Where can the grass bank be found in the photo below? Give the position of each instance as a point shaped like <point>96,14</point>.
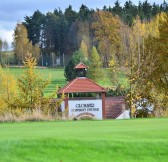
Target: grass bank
<point>85,141</point>
<point>56,76</point>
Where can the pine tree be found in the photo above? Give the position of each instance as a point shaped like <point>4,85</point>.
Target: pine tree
<point>76,58</point>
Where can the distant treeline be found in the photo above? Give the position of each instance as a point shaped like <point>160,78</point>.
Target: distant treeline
<point>59,33</point>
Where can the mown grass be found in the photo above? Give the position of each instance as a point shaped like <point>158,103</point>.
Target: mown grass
<point>121,79</point>
<point>85,141</point>
<point>56,77</point>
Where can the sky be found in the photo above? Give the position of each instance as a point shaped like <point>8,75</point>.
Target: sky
<point>13,11</point>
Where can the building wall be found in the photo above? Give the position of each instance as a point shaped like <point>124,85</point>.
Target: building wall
<point>79,108</point>
<point>114,106</point>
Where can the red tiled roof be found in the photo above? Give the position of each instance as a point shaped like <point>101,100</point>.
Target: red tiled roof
<point>81,66</point>
<point>81,84</point>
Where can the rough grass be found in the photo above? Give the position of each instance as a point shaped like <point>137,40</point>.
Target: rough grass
<point>143,140</point>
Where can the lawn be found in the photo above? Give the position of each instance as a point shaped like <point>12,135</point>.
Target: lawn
<point>135,140</point>
<point>56,77</point>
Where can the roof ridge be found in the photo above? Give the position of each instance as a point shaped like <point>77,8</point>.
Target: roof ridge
<point>82,64</point>
<point>67,85</point>
<point>78,85</point>
<point>95,83</point>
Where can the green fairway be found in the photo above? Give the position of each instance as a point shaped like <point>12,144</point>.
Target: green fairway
<point>56,77</point>
<point>143,140</point>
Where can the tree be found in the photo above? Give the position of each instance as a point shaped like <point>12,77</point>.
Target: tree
<point>76,58</point>
<point>34,25</point>
<point>130,12</point>
<point>70,15</point>
<point>84,13</point>
<point>158,78</point>
<point>117,9</point>
<point>84,49</point>
<point>30,87</point>
<point>95,66</point>
<point>1,46</point>
<point>148,72</point>
<point>5,45</point>
<point>106,28</point>
<point>22,45</point>
<point>155,9</point>
<point>147,8</point>
<point>8,91</point>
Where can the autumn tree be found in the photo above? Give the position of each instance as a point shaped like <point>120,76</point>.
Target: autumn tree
<point>30,86</point>
<point>84,49</point>
<point>8,91</point>
<point>156,70</point>
<point>106,28</point>
<point>95,66</point>
<point>1,46</point>
<point>147,69</point>
<point>22,45</point>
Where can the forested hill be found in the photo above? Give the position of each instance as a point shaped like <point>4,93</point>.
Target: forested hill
<point>61,32</point>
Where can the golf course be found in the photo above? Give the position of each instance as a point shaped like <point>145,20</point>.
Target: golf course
<point>56,78</point>
<point>132,140</point>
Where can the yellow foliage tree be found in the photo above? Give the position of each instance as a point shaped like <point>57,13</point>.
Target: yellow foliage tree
<point>22,45</point>
<point>106,28</point>
<point>31,87</point>
<point>84,49</point>
<point>8,90</point>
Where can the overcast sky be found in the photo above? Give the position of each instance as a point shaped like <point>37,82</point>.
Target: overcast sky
<point>12,11</point>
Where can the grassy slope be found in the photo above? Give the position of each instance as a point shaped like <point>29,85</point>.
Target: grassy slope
<point>56,77</point>
<point>85,141</point>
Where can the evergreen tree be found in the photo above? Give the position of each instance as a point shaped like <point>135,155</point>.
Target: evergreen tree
<point>84,13</point>
<point>76,58</point>
<point>117,9</point>
<point>70,15</point>
<point>34,25</point>
<point>95,66</point>
<point>140,11</point>
<point>155,9</point>
<point>147,9</point>
<point>130,12</point>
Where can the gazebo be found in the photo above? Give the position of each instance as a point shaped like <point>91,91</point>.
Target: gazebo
<point>83,97</point>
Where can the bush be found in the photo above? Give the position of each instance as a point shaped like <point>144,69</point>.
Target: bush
<point>119,91</point>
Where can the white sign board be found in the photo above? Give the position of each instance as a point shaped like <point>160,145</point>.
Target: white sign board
<point>79,108</point>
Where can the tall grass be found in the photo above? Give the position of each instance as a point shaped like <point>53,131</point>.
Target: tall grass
<point>35,115</point>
